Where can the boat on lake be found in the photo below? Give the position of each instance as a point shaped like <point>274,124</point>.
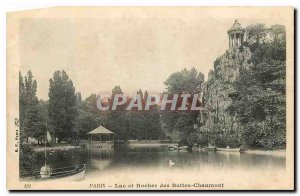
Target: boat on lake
<point>178,148</point>
<point>229,149</point>
<point>211,148</point>
<point>172,147</point>
<point>69,174</point>
<point>183,149</point>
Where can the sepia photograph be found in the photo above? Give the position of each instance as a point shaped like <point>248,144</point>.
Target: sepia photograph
<point>150,98</point>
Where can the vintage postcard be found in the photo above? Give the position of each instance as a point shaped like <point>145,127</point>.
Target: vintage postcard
<point>150,98</point>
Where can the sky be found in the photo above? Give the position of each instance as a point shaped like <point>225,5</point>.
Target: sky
<point>133,52</point>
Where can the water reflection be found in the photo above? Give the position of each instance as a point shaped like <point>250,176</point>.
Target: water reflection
<point>98,160</point>
<point>134,157</point>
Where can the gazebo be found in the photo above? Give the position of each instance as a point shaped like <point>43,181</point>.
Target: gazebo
<point>101,138</point>
<point>236,35</point>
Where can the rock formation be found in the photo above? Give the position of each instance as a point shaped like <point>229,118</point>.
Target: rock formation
<point>217,93</point>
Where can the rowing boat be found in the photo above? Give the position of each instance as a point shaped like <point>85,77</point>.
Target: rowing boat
<point>210,148</point>
<point>229,149</point>
<point>69,174</point>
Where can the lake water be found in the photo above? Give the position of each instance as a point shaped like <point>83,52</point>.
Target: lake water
<point>129,159</point>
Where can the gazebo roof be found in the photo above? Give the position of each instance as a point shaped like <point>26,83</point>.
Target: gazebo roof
<point>236,27</point>
<point>100,130</point>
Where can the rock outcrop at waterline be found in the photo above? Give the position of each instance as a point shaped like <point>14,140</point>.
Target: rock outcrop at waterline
<point>217,92</point>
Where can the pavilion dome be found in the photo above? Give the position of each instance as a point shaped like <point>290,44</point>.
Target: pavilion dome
<point>236,27</point>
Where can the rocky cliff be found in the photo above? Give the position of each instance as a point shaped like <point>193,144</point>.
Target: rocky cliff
<point>217,92</point>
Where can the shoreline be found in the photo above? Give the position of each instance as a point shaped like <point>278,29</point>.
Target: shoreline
<point>38,149</point>
<point>277,152</point>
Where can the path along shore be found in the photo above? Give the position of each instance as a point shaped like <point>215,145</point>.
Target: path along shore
<point>41,148</point>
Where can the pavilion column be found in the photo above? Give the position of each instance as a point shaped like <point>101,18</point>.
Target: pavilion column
<point>235,39</point>
<point>228,40</point>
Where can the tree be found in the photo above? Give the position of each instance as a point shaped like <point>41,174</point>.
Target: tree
<point>144,124</point>
<point>183,82</point>
<point>62,108</point>
<point>89,117</point>
<point>152,124</point>
<point>22,102</point>
<point>117,90</point>
<point>116,120</point>
<point>256,34</point>
<point>32,122</point>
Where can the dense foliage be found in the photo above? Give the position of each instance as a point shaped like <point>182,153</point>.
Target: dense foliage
<point>183,82</point>
<point>260,105</point>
